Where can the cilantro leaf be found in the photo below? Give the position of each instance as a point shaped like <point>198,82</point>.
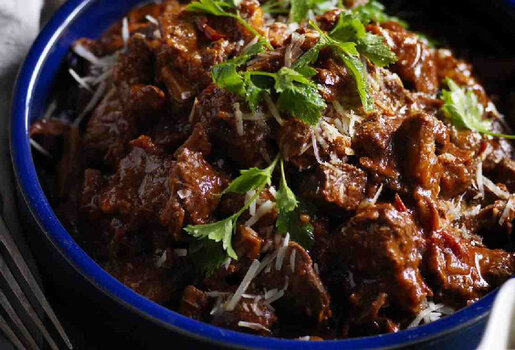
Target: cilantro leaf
<point>350,57</point>
<point>299,9</point>
<point>251,179</point>
<point>207,255</point>
<point>301,233</point>
<point>223,230</point>
<point>218,8</point>
<point>299,96</point>
<point>350,28</point>
<point>225,74</point>
<point>286,200</point>
<point>463,109</point>
<point>374,11</point>
<point>288,219</point>
<point>376,50</point>
<point>220,231</point>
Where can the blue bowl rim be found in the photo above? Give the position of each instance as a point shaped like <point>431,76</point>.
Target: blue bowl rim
<point>54,231</point>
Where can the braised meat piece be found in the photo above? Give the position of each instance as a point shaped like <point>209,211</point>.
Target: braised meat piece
<point>246,142</point>
<point>251,315</point>
<point>336,186</point>
<point>416,62</point>
<point>139,189</point>
<point>304,293</point>
<point>194,303</point>
<point>383,245</point>
<point>195,188</point>
<point>143,277</point>
<point>464,271</point>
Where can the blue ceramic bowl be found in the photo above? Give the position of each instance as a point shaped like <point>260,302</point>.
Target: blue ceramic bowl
<point>89,18</point>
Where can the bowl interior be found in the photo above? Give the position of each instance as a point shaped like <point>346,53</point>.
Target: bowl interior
<point>89,18</point>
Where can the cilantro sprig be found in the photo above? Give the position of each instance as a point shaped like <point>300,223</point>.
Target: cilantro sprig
<point>223,8</point>
<point>375,11</point>
<point>296,94</point>
<point>463,109</point>
<point>213,245</point>
<point>288,218</point>
<point>348,40</point>
<point>222,231</point>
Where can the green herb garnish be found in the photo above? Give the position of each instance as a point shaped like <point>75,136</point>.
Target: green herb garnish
<point>222,231</point>
<point>220,8</point>
<point>288,219</point>
<point>463,109</point>
<point>374,11</point>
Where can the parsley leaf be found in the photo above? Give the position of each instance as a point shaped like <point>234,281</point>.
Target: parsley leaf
<point>223,230</point>
<point>225,74</point>
<point>288,219</point>
<point>286,200</point>
<point>374,11</point>
<point>216,231</point>
<point>207,255</point>
<point>350,28</point>
<point>251,179</point>
<point>463,109</point>
<point>299,96</point>
<point>218,8</point>
<point>350,57</point>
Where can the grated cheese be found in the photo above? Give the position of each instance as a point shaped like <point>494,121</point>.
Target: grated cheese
<point>180,252</point>
<point>263,209</point>
<point>161,260</point>
<point>184,193</point>
<point>239,118</point>
<point>315,148</point>
<point>249,276</point>
<point>506,211</point>
<point>273,108</point>
<point>95,99</point>
<point>253,325</point>
<point>125,33</point>
<point>431,314</point>
<point>315,267</point>
<point>79,80</point>
<point>479,179</point>
<point>40,148</point>
<point>282,252</point>
<point>255,307</point>
<point>152,19</point>
<point>495,189</point>
<point>292,260</point>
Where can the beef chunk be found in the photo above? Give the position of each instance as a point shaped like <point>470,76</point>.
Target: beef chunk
<point>248,146</point>
<point>195,188</point>
<point>194,303</point>
<point>109,130</point>
<point>143,277</point>
<point>504,172</point>
<point>304,293</point>
<point>340,186</point>
<point>382,244</point>
<point>465,271</point>
<point>367,307</point>
<point>180,46</point>
<point>139,189</point>
<point>249,315</point>
<point>296,143</point>
<point>417,140</point>
<point>135,66</point>
<point>416,63</point>
<point>247,243</point>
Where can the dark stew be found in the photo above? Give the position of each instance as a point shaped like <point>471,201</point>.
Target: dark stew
<point>310,170</point>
